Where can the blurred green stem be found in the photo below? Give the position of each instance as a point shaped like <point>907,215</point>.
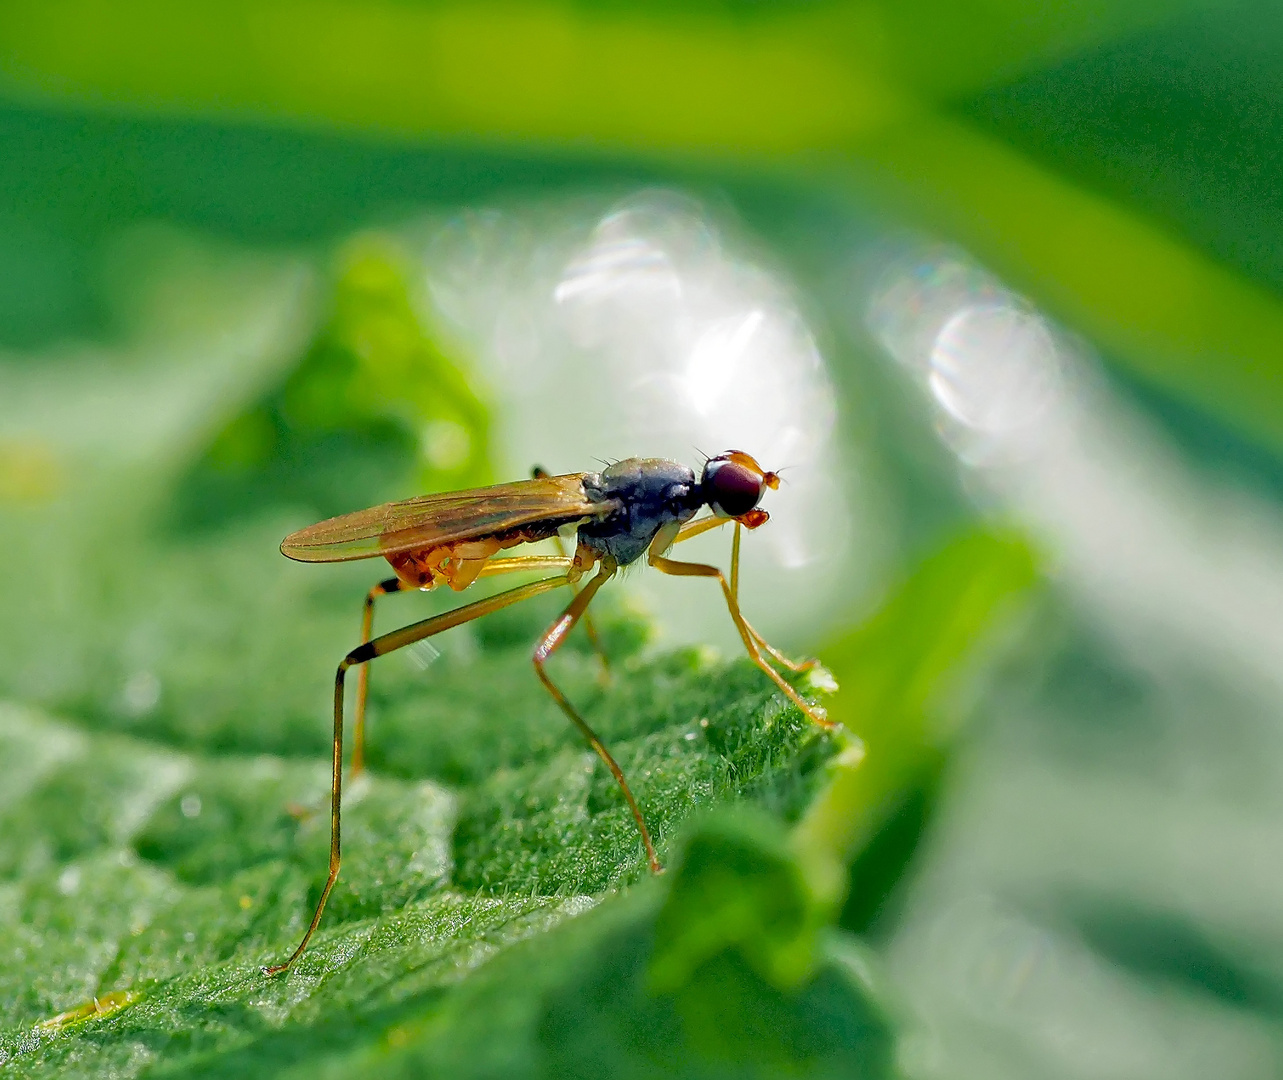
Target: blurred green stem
<point>1169,312</point>
<point>902,678</point>
<point>784,89</point>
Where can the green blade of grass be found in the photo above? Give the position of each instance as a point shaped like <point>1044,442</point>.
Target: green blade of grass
<point>903,678</point>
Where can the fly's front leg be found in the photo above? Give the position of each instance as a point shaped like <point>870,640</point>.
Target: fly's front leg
<point>798,666</point>
<point>747,634</point>
<point>363,654</point>
<point>703,525</point>
<point>549,644</point>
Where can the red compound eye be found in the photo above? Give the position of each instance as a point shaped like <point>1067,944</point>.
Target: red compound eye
<point>731,486</point>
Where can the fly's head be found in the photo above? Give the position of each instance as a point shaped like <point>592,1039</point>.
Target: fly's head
<point>733,484</point>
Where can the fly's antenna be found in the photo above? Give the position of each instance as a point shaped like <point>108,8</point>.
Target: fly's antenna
<point>782,470</point>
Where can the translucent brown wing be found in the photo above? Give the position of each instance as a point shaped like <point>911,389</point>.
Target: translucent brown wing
<point>429,520</point>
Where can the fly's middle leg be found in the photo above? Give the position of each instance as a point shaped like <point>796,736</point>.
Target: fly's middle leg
<point>551,641</point>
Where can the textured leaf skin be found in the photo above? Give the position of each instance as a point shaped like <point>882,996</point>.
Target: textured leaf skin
<point>175,875</point>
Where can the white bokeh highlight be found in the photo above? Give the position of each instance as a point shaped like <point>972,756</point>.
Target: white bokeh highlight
<point>647,334</point>
<point>1178,575</point>
<point>1165,557</point>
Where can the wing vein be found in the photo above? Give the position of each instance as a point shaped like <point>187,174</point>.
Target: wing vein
<point>449,517</point>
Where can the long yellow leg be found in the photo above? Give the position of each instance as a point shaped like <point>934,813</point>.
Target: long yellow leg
<point>590,628</point>
<point>735,561</point>
<point>746,632</point>
<point>563,561</point>
<point>383,588</point>
<point>514,563</point>
<point>798,666</point>
<point>699,526</point>
<point>393,585</point>
<point>551,641</point>
<point>362,654</point>
<point>703,525</point>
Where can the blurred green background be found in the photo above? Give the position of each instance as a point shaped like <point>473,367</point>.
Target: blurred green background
<point>999,282</point>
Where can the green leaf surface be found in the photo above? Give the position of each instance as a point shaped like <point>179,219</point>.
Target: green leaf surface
<point>172,877</point>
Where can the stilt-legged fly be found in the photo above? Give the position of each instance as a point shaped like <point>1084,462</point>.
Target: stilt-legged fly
<point>636,507</point>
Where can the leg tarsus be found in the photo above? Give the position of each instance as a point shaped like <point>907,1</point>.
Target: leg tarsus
<point>336,804</point>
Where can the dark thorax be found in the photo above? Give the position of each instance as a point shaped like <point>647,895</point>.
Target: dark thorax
<point>652,492</point>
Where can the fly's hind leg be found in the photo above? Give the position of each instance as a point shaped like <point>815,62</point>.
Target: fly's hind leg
<point>395,585</point>
<point>383,588</point>
<point>381,646</point>
<point>548,644</point>
<point>747,634</point>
